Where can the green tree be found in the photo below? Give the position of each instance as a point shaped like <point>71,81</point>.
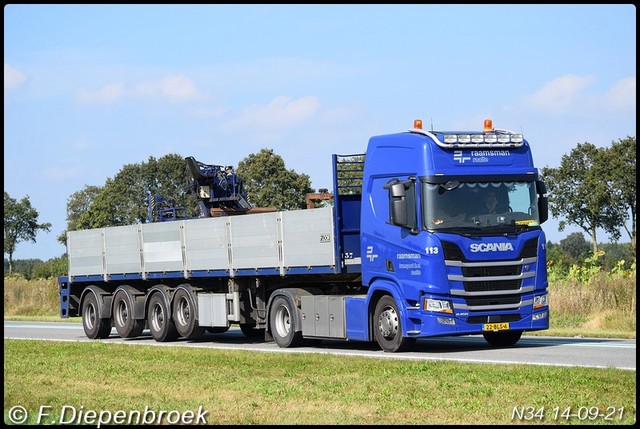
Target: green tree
<point>617,253</point>
<point>575,247</point>
<point>54,267</point>
<point>23,267</point>
<point>350,169</point>
<point>578,194</point>
<point>77,204</point>
<point>123,200</point>
<point>620,177</point>
<point>20,224</point>
<point>268,183</point>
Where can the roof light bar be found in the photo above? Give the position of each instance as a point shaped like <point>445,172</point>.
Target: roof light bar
<point>489,138</point>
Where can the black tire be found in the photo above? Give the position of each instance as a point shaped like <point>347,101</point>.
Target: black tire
<point>184,315</point>
<point>387,327</point>
<point>161,326</point>
<point>217,329</point>
<point>502,339</point>
<point>123,320</point>
<point>251,331</point>
<point>282,324</point>
<point>94,326</point>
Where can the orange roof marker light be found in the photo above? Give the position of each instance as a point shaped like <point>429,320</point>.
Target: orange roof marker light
<point>417,123</point>
<point>488,125</point>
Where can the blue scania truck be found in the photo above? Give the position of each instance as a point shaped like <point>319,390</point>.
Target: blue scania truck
<point>430,234</point>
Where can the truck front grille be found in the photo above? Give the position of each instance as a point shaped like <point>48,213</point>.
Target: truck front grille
<point>484,286</point>
<point>492,285</point>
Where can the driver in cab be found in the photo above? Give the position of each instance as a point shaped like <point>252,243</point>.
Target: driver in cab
<point>490,202</point>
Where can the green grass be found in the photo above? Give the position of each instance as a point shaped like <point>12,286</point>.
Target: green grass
<point>245,387</point>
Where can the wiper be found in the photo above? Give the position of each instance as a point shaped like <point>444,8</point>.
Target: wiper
<point>503,228</point>
<point>468,228</point>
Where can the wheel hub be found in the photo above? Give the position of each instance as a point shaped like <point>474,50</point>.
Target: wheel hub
<point>388,323</point>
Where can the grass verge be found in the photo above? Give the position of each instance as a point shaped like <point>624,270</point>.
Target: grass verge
<point>240,387</point>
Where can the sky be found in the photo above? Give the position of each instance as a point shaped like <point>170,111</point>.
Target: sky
<point>91,88</point>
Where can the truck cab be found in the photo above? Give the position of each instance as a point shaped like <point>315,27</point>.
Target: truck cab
<point>452,264</point>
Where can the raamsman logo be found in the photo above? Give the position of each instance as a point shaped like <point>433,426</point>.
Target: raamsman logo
<point>491,247</point>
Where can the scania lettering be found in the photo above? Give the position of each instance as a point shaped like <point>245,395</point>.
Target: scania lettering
<point>491,247</point>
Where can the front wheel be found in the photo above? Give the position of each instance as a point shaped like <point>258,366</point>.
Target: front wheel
<point>160,324</point>
<point>502,339</point>
<point>94,326</point>
<point>387,327</point>
<point>283,327</point>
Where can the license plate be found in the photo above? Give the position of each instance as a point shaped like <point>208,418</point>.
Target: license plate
<point>496,326</point>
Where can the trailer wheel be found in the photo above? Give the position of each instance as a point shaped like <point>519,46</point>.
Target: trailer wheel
<point>387,327</point>
<point>161,326</point>
<point>502,339</point>
<point>94,326</point>
<point>283,324</point>
<point>184,315</point>
<point>123,320</point>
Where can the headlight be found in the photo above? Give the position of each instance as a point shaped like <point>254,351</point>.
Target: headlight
<point>437,305</point>
<point>541,301</point>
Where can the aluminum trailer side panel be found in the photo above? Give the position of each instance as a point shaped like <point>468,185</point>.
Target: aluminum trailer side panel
<point>207,244</point>
<point>122,254</point>
<point>85,251</point>
<point>255,241</point>
<point>307,238</point>
<point>281,242</point>
<point>162,246</point>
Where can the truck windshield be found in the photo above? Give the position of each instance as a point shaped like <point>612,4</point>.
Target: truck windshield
<point>464,207</point>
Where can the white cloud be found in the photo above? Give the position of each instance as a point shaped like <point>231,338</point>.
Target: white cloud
<point>13,78</point>
<point>559,95</point>
<point>281,112</point>
<point>207,113</point>
<point>106,95</point>
<point>568,94</point>
<point>172,88</point>
<point>59,173</point>
<point>81,144</point>
<point>621,95</point>
<point>340,114</point>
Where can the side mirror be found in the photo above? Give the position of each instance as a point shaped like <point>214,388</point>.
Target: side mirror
<point>402,203</point>
<point>398,201</point>
<point>543,209</point>
<point>543,201</point>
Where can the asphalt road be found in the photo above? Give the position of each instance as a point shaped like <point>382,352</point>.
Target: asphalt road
<point>530,350</point>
